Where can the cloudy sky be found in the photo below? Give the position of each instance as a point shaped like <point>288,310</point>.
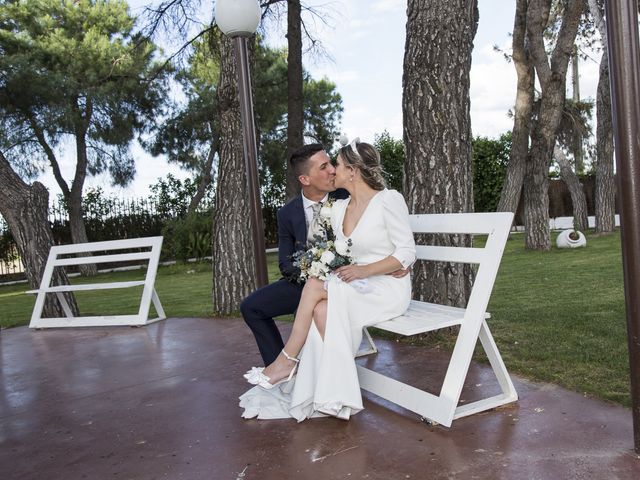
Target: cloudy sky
<point>364,42</point>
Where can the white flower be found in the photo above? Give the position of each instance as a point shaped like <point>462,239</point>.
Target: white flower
<point>315,269</point>
<point>341,247</point>
<point>327,257</point>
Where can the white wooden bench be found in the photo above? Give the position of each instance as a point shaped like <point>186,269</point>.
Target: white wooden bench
<point>424,317</point>
<point>65,255</point>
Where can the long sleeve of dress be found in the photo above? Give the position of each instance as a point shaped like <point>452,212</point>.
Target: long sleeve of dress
<point>396,219</point>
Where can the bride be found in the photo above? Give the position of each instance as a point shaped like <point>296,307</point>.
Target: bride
<point>331,314</point>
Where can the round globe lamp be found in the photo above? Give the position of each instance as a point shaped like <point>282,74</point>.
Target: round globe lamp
<point>238,18</point>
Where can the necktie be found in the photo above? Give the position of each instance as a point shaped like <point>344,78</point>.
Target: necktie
<point>315,227</point>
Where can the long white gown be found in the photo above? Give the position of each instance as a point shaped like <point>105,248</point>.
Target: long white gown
<point>327,381</point>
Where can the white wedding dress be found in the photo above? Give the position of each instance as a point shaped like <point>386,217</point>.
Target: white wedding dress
<point>327,381</point>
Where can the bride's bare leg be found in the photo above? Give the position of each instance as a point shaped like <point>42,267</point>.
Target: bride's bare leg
<point>320,317</point>
<point>312,293</point>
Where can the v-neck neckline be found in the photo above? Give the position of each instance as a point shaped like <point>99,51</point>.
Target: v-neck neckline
<point>344,214</point>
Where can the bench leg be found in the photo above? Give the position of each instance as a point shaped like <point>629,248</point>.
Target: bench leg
<point>372,346</point>
<point>65,305</point>
<point>158,306</point>
<point>508,394</point>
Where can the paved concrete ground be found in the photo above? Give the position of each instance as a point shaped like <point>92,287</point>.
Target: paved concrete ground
<point>161,402</point>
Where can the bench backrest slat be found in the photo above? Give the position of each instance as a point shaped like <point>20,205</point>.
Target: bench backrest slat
<point>120,257</point>
<point>107,245</point>
<point>469,223</point>
<point>450,254</point>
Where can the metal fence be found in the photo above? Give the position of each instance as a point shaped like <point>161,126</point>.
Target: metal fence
<point>109,210</point>
<point>14,265</point>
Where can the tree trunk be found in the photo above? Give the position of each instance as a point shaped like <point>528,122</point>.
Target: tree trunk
<point>234,275</point>
<point>74,199</point>
<point>552,74</point>
<point>512,186</point>
<point>78,230</point>
<point>437,131</point>
<point>205,176</point>
<point>577,142</point>
<point>25,208</point>
<point>605,182</point>
<point>578,198</point>
<point>295,105</point>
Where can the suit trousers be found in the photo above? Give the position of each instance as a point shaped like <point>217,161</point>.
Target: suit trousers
<point>259,308</point>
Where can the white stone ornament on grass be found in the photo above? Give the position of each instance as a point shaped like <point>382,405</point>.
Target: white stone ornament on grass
<point>564,239</point>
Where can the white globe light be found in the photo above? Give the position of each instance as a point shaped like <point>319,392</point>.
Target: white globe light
<point>238,18</point>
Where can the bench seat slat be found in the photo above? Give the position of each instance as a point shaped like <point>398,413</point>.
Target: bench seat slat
<point>120,257</point>
<point>88,286</point>
<point>423,317</point>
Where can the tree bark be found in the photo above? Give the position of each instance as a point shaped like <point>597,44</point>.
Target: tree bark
<point>512,186</point>
<point>578,198</point>
<point>437,131</point>
<point>74,199</point>
<point>295,105</point>
<point>206,176</point>
<point>25,208</point>
<point>234,275</point>
<point>605,181</point>
<point>577,143</point>
<point>552,74</point>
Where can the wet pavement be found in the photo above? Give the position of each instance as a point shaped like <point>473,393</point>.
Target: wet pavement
<point>161,402</point>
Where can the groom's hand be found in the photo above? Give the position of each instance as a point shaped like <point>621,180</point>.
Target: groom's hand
<point>401,272</point>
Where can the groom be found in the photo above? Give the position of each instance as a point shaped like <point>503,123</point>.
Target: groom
<point>315,172</point>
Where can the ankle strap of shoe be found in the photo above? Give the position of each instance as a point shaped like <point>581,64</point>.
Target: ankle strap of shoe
<point>289,357</point>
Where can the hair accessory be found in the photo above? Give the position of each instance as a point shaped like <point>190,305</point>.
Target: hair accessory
<point>354,145</point>
<point>344,142</point>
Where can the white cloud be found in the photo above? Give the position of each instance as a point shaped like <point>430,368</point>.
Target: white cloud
<point>381,6</point>
<point>493,89</point>
<point>338,76</point>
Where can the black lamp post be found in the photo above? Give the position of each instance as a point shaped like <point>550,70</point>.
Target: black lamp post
<point>239,19</point>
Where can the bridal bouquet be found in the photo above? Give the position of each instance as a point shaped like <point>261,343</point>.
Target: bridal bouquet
<point>325,253</point>
<point>322,258</point>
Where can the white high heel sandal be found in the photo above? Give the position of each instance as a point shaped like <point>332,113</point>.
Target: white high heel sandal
<point>256,377</point>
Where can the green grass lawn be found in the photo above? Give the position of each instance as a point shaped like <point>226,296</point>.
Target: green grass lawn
<point>556,316</point>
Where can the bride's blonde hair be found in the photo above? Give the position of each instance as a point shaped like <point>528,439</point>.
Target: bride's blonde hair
<point>365,158</point>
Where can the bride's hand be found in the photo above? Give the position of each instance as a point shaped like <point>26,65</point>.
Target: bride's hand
<point>349,273</point>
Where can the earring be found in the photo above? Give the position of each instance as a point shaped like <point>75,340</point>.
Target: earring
<point>351,179</point>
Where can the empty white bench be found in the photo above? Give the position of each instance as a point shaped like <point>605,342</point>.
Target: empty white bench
<point>424,317</point>
<point>65,255</point>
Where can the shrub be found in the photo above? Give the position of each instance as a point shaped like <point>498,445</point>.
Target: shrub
<point>490,158</point>
<point>188,237</point>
